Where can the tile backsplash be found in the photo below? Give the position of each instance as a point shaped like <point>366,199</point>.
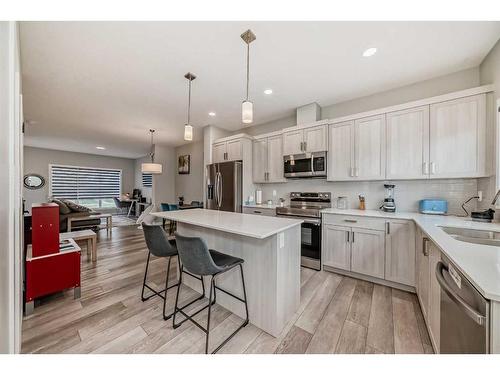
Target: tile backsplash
<point>407,192</point>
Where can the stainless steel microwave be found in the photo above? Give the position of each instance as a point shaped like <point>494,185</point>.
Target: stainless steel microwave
<point>305,165</point>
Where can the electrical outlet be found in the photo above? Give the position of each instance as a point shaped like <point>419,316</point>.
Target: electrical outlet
<point>480,196</point>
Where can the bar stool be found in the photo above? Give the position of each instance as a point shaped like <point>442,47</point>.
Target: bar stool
<point>160,246</point>
<point>199,260</point>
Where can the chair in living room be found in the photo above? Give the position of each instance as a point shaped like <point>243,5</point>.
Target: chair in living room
<point>121,206</point>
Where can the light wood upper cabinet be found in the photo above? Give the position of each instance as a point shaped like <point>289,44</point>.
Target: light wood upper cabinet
<point>259,155</point>
<point>218,152</point>
<point>408,144</point>
<point>312,139</point>
<point>316,139</point>
<point>268,160</point>
<point>292,142</point>
<point>234,150</point>
<point>368,252</point>
<point>400,252</point>
<point>275,159</point>
<point>369,148</point>
<point>336,247</point>
<point>458,138</point>
<point>341,151</point>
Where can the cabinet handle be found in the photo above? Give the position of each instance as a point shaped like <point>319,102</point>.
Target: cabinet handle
<point>352,237</point>
<point>356,172</point>
<point>257,212</point>
<point>388,228</point>
<point>351,172</point>
<point>425,168</point>
<point>425,250</point>
<point>347,236</point>
<point>433,167</point>
<point>301,146</point>
<point>305,146</point>
<point>350,221</point>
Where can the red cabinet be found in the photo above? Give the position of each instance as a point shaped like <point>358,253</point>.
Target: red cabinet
<point>45,229</point>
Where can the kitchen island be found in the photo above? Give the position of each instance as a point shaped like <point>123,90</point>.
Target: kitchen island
<point>270,247</point>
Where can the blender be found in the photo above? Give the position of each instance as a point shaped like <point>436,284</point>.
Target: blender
<point>389,205</point>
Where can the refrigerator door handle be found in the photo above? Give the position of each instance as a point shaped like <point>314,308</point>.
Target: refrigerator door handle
<point>219,190</point>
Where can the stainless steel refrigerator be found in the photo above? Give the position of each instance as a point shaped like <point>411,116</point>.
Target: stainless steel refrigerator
<point>224,186</point>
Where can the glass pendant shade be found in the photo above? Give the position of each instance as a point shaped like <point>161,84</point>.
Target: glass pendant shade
<point>153,168</point>
<point>247,112</point>
<point>188,132</point>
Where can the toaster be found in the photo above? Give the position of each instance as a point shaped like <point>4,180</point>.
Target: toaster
<point>433,206</point>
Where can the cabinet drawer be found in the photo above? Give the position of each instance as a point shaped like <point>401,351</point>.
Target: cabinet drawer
<point>259,211</point>
<point>355,221</point>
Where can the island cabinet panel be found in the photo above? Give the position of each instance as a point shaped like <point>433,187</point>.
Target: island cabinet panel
<point>336,247</point>
<point>367,252</point>
<point>408,144</point>
<point>400,252</point>
<point>271,269</point>
<point>458,138</point>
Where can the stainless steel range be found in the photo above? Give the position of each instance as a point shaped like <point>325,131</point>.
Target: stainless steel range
<point>308,206</point>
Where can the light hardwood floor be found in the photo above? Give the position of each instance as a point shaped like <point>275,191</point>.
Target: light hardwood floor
<point>337,314</point>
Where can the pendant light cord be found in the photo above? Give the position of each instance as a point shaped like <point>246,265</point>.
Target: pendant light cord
<point>152,153</point>
<point>248,67</point>
<point>189,103</point>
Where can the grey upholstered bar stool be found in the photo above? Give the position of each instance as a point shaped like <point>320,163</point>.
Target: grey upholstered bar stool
<point>199,260</point>
<point>160,246</point>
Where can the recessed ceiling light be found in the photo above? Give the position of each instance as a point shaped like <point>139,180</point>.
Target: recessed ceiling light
<point>212,114</point>
<point>268,92</point>
<point>100,147</point>
<point>370,52</point>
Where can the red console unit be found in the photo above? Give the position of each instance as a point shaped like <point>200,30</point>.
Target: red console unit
<point>45,229</point>
<point>50,266</point>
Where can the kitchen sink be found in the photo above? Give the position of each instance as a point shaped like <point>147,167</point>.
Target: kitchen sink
<point>480,237</point>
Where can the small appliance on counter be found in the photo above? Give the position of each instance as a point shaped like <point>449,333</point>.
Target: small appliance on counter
<point>258,196</point>
<point>389,205</point>
<point>433,206</point>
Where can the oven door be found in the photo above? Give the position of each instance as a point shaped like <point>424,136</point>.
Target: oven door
<point>311,244</point>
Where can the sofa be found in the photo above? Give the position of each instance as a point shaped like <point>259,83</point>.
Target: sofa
<point>68,209</point>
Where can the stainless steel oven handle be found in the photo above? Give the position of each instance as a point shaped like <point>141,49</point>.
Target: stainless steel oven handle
<point>473,314</point>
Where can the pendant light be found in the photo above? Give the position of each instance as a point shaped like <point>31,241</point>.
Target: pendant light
<point>188,129</point>
<point>247,106</point>
<point>153,168</point>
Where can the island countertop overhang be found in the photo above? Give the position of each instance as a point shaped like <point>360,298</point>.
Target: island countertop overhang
<point>247,225</point>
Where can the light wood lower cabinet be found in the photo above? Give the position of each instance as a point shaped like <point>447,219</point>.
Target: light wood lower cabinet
<point>400,252</point>
<point>422,274</point>
<point>337,247</point>
<point>367,252</point>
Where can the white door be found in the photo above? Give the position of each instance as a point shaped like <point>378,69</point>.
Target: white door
<point>400,252</point>
<point>340,151</point>
<point>234,150</point>
<point>218,152</point>
<point>259,162</point>
<point>292,142</point>
<point>315,138</point>
<point>408,144</point>
<point>368,252</point>
<point>369,148</point>
<point>434,296</point>
<point>275,159</point>
<point>337,247</point>
<point>423,276</point>
<point>458,138</point>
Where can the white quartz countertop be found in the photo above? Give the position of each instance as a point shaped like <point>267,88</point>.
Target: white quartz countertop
<point>479,263</point>
<point>255,226</point>
<point>263,206</point>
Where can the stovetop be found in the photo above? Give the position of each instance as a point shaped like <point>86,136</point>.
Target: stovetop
<point>306,204</point>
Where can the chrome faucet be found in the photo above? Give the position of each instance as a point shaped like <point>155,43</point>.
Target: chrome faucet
<point>497,195</point>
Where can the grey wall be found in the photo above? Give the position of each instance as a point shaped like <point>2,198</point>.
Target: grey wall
<point>190,186</point>
<point>37,160</point>
<point>146,192</point>
<point>164,184</point>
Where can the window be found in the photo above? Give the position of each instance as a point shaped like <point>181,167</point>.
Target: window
<point>91,187</point>
<point>147,180</point>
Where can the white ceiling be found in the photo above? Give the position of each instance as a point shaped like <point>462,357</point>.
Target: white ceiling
<point>106,83</point>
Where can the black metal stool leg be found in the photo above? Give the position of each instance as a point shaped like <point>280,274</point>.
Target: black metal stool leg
<point>144,281</point>
<point>244,294</point>
<point>212,287</point>
<point>177,298</point>
<point>166,317</point>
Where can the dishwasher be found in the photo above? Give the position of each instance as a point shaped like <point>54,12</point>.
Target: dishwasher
<point>464,313</point>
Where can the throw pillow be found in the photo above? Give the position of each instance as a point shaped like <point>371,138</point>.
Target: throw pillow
<point>63,207</point>
<point>76,207</point>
